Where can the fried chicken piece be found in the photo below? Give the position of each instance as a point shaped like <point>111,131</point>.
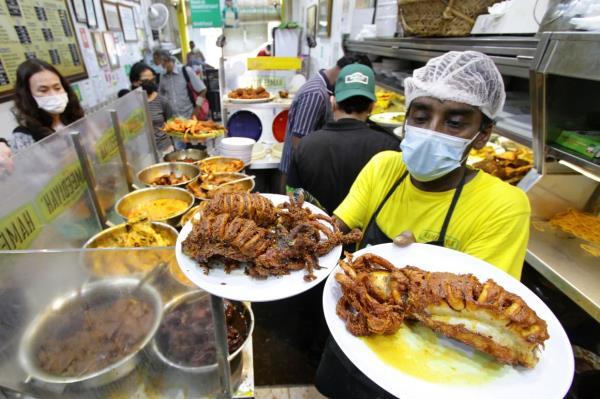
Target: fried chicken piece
<point>252,206</point>
<point>377,297</point>
<point>273,241</point>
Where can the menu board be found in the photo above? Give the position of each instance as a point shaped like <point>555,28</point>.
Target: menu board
<point>37,29</point>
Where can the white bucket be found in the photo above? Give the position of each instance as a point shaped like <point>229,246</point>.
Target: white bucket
<point>386,25</point>
<point>387,8</point>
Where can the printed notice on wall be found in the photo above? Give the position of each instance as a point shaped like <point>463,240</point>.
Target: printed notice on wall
<point>36,29</point>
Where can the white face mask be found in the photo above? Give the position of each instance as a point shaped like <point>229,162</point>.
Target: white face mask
<point>429,155</point>
<point>55,104</point>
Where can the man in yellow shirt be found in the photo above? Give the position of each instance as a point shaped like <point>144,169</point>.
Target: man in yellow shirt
<point>428,194</point>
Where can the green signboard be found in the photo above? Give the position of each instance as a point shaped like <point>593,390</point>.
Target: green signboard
<point>63,190</point>
<point>19,228</point>
<point>205,13</point>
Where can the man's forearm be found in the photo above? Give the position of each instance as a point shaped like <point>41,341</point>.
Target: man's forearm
<point>295,141</point>
<point>341,225</point>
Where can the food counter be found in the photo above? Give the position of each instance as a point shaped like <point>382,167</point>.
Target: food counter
<point>94,322</point>
<point>35,298</point>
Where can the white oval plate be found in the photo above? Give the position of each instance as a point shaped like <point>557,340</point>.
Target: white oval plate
<point>551,378</point>
<point>250,100</point>
<point>385,119</point>
<point>240,287</point>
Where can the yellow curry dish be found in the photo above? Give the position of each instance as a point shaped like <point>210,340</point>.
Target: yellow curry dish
<point>158,209</point>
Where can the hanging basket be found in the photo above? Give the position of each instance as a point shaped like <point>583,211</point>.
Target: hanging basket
<point>441,17</point>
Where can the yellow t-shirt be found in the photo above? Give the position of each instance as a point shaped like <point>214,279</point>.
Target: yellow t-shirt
<point>490,220</point>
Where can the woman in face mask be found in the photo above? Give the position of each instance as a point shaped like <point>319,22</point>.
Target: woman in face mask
<point>44,103</point>
<point>142,76</point>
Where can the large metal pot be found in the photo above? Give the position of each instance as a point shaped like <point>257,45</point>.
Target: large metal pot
<point>241,308</point>
<point>31,340</point>
<point>181,155</point>
<point>164,229</point>
<point>152,172</point>
<point>126,204</point>
<point>194,187</point>
<point>219,164</point>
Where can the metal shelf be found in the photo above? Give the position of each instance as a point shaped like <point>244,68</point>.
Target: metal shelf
<point>275,103</point>
<point>568,267</point>
<point>509,125</point>
<point>389,87</point>
<point>521,135</point>
<point>512,54</point>
<point>575,159</point>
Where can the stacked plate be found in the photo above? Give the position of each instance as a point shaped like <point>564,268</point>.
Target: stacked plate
<point>277,150</point>
<point>237,147</point>
<point>259,151</point>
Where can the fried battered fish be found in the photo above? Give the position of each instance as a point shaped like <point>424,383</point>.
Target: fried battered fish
<point>378,297</point>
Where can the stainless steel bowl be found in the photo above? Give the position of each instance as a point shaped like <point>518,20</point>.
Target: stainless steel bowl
<point>30,342</point>
<point>127,203</point>
<point>248,184</point>
<point>190,153</point>
<point>220,163</point>
<point>152,172</point>
<point>192,296</point>
<point>189,215</point>
<point>164,229</point>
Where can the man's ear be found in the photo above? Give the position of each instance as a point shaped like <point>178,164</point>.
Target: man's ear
<point>483,137</point>
<point>371,108</point>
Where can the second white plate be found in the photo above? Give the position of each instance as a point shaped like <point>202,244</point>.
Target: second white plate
<point>551,378</point>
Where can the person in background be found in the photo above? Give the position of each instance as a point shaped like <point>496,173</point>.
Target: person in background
<point>311,108</point>
<point>195,57</point>
<point>174,86</point>
<point>156,63</point>
<point>142,75</point>
<point>266,52</point>
<point>428,194</point>
<point>327,162</point>
<point>44,103</point>
<point>6,163</point>
<point>230,14</point>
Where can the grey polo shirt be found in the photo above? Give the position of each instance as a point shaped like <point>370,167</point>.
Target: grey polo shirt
<point>173,87</point>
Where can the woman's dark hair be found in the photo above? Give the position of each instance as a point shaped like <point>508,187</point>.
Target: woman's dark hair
<point>26,110</point>
<point>122,92</point>
<point>355,104</point>
<point>136,71</point>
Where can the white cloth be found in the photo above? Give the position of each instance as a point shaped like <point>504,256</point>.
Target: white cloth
<point>468,77</point>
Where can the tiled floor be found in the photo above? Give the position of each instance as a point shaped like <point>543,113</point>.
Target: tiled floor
<point>287,392</point>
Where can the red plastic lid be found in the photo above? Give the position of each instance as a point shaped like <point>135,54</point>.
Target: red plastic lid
<point>279,126</point>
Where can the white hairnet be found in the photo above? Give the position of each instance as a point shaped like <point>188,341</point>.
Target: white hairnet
<point>468,77</point>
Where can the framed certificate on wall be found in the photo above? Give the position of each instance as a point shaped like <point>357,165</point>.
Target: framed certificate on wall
<point>128,23</point>
<point>111,16</point>
<point>111,49</point>
<point>90,14</point>
<point>79,11</point>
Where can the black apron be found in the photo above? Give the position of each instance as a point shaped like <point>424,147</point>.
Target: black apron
<point>337,377</point>
<point>373,234</point>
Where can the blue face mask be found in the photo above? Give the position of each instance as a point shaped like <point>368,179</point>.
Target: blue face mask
<point>429,155</point>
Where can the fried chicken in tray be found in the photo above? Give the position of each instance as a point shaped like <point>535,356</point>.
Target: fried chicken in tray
<point>243,228</point>
<point>249,93</point>
<point>377,298</point>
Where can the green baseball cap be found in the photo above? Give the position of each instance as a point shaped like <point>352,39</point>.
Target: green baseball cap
<point>355,80</point>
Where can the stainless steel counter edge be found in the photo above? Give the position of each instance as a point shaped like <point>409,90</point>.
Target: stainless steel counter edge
<point>563,285</point>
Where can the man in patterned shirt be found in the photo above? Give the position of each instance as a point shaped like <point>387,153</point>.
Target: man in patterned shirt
<point>311,107</point>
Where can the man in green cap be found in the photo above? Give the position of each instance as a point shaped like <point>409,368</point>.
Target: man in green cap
<point>327,162</point>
